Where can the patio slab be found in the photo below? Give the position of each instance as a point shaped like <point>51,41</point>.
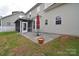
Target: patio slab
<point>32,36</point>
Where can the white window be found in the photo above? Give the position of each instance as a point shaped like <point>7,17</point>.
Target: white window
<point>38,8</point>
<point>58,20</point>
<point>29,14</point>
<point>46,22</point>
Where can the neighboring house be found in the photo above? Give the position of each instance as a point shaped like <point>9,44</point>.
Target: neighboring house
<point>59,18</point>
<point>0,20</point>
<point>8,22</point>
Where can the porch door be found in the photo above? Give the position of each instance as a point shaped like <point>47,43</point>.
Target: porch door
<point>24,27</point>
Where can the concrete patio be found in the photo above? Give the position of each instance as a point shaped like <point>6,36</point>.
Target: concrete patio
<point>33,36</point>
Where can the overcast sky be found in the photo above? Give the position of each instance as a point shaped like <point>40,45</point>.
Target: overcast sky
<point>7,6</point>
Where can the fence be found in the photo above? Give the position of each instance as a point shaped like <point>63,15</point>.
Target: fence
<point>7,28</point>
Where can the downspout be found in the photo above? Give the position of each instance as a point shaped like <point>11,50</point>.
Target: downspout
<point>20,27</point>
<point>1,25</point>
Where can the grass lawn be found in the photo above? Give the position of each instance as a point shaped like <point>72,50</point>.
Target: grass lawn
<point>64,46</point>
<point>12,43</point>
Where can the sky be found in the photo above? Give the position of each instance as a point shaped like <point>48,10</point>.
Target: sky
<point>7,6</point>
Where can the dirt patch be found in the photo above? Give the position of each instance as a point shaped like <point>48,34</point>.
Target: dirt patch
<point>20,50</point>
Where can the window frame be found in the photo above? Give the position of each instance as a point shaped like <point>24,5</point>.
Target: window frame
<point>46,21</point>
<point>58,20</point>
<point>29,14</point>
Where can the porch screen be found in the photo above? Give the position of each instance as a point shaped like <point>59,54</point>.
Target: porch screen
<point>24,26</point>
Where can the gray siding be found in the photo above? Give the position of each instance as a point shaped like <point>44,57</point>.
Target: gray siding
<point>10,19</point>
<point>34,12</point>
<point>70,20</point>
<point>69,14</point>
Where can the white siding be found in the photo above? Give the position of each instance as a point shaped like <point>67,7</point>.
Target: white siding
<point>34,12</point>
<point>10,19</point>
<point>38,9</point>
<point>7,28</point>
<point>70,20</point>
<point>8,23</point>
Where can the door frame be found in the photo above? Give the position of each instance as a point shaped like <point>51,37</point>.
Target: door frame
<point>26,27</point>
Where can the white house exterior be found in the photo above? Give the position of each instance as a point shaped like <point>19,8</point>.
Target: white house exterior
<point>59,18</point>
<point>8,22</point>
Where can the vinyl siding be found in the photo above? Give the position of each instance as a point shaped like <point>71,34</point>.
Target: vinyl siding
<point>10,19</point>
<point>70,20</point>
<point>33,13</point>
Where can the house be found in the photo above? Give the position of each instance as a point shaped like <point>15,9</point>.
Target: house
<point>0,20</point>
<point>59,18</point>
<point>26,24</point>
<point>7,23</point>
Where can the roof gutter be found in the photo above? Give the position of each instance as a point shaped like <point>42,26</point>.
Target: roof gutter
<point>53,6</point>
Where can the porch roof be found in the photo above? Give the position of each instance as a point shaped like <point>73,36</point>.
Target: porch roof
<point>24,20</point>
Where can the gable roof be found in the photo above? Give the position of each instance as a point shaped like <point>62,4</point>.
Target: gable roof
<point>6,16</point>
<point>33,7</point>
<point>9,15</point>
<point>50,7</point>
<point>25,20</point>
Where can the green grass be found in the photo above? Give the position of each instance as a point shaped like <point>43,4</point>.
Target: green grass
<point>15,44</point>
<point>6,33</point>
<point>64,46</point>
<point>12,43</point>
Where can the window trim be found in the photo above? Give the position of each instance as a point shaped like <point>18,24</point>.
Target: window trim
<point>58,20</point>
<point>46,21</point>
